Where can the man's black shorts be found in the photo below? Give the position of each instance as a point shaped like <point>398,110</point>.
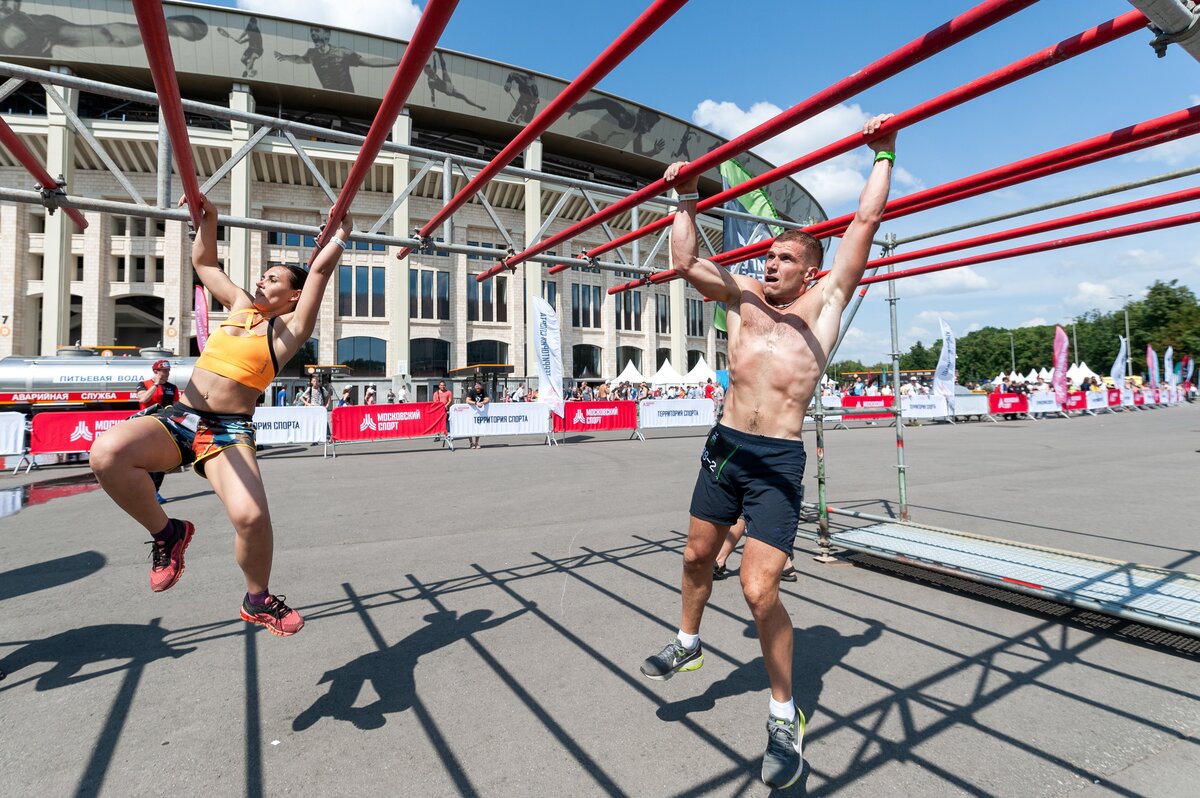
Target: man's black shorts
<point>752,476</point>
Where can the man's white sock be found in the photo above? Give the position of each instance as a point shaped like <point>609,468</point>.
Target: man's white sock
<point>785,711</point>
<point>688,641</point>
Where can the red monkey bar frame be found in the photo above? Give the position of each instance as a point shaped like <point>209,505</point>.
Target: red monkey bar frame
<point>153,25</point>
<point>961,27</point>
<point>1045,246</point>
<point>1109,145</point>
<point>1083,42</point>
<point>1135,206</point>
<point>429,29</point>
<point>12,142</point>
<point>633,37</point>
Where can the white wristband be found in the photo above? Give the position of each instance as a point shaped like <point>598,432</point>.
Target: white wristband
<point>340,242</point>
<point>695,195</point>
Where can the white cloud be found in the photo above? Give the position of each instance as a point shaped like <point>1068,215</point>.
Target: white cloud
<point>974,326</point>
<point>1142,257</point>
<point>948,315</point>
<point>382,17</point>
<point>1037,321</point>
<point>1173,153</point>
<point>834,182</point>
<point>919,333</point>
<point>1093,295</point>
<point>951,281</point>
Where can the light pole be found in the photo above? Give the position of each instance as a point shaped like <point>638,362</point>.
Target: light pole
<point>1128,343</point>
<point>1012,351</point>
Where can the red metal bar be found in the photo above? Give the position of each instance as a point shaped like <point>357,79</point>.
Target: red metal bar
<point>1136,206</point>
<point>1144,134</point>
<point>1161,130</point>
<point>637,33</point>
<point>1045,246</point>
<point>12,142</point>
<point>1081,43</point>
<point>153,26</point>
<point>429,29</point>
<point>961,27</point>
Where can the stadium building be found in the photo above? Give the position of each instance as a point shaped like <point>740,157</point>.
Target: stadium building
<point>127,279</point>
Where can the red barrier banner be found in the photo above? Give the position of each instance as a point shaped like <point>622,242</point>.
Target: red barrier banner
<point>1010,403</point>
<point>381,422</point>
<point>1114,397</point>
<point>71,432</point>
<point>58,397</point>
<point>597,416</point>
<point>868,402</point>
<point>1076,401</point>
<point>1139,398</point>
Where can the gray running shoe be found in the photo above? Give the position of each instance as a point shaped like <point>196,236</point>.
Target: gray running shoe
<point>783,762</point>
<point>673,659</point>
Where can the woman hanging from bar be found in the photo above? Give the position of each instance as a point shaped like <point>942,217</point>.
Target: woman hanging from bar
<point>212,427</point>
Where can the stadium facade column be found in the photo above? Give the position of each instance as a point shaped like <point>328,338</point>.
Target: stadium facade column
<point>14,248</point>
<point>400,329</point>
<point>678,295</point>
<point>98,310</point>
<point>240,184</point>
<point>532,270</point>
<point>57,269</point>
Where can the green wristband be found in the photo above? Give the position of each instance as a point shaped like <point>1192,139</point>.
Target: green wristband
<point>885,155</point>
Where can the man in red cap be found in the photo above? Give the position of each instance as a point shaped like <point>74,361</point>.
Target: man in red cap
<point>158,392</point>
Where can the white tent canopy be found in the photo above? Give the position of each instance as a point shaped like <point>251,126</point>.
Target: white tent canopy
<point>700,373</point>
<point>1085,372</point>
<point>630,375</point>
<point>1073,373</point>
<point>1045,374</point>
<point>1032,376</point>
<point>667,375</point>
<point>1014,377</point>
<point>999,378</point>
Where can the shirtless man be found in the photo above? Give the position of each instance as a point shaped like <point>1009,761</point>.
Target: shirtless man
<point>781,331</point>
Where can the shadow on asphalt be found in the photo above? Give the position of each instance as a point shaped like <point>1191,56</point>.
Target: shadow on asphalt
<point>125,650</point>
<point>48,574</point>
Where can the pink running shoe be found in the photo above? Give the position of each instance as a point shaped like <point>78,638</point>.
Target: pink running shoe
<point>166,559</point>
<point>278,617</point>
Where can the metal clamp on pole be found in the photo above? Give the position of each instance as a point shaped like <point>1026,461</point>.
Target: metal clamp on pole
<point>1162,39</point>
<point>424,243</point>
<point>52,196</point>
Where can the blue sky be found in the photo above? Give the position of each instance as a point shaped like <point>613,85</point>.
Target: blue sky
<point>715,64</point>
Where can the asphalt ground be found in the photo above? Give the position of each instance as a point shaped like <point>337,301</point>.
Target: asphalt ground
<point>476,620</point>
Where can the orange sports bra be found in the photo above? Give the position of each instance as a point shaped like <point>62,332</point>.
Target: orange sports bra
<point>246,359</point>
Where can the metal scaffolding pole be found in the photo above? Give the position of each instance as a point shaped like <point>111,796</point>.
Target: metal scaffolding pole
<point>268,225</point>
<point>1045,246</point>
<point>1046,206</point>
<point>303,130</point>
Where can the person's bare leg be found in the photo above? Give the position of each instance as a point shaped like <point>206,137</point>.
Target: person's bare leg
<point>761,566</point>
<point>704,541</point>
<point>237,482</point>
<point>122,459</point>
<point>731,540</point>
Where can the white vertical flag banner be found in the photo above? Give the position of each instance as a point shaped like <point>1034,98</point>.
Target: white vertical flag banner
<point>1118,368</point>
<point>943,378</point>
<point>1169,366</point>
<point>548,356</point>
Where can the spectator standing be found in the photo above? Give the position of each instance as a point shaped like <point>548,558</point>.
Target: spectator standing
<point>315,395</point>
<point>369,396</point>
<point>445,398</point>
<point>477,398</point>
<point>157,392</point>
<point>345,398</point>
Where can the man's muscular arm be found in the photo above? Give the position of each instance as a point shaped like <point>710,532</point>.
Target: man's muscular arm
<point>709,279</point>
<point>850,260</point>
